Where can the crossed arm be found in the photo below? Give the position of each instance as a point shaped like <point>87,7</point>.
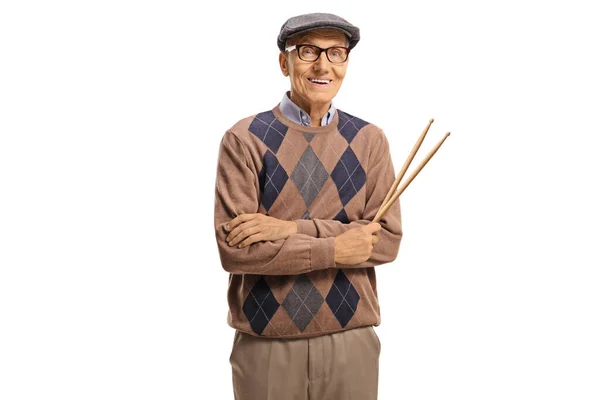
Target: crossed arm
<point>351,247</point>
<point>254,243</point>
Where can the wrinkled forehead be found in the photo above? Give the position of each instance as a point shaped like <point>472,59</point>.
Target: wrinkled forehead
<point>332,37</point>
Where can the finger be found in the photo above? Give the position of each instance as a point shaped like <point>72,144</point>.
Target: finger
<point>250,239</point>
<point>234,222</point>
<point>244,233</point>
<point>374,239</point>
<point>372,227</point>
<point>236,231</point>
<point>239,219</point>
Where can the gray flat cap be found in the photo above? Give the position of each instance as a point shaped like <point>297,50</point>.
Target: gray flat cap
<point>309,22</point>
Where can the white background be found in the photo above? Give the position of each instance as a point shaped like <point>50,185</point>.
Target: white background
<point>111,114</point>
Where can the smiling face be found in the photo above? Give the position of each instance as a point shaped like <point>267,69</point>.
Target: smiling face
<point>314,84</point>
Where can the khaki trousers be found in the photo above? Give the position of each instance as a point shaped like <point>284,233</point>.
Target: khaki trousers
<point>337,366</point>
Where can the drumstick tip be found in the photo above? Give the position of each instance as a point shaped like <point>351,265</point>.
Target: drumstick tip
<point>447,134</point>
<point>431,120</point>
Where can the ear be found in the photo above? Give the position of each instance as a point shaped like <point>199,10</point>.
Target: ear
<point>283,63</point>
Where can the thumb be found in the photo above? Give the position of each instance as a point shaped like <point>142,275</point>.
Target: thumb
<point>372,227</point>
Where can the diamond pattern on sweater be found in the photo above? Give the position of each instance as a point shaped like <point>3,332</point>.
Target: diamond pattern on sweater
<point>342,217</point>
<point>348,175</point>
<point>303,302</point>
<point>342,298</point>
<point>309,176</point>
<point>309,136</point>
<point>268,129</point>
<point>260,306</point>
<point>349,125</point>
<point>271,179</point>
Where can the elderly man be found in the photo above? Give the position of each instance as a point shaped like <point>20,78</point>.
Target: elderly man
<point>296,189</point>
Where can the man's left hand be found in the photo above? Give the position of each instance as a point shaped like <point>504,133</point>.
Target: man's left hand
<point>246,229</point>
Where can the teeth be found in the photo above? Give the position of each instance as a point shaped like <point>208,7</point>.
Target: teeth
<point>320,80</point>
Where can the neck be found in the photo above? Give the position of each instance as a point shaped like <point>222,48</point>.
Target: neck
<point>316,111</point>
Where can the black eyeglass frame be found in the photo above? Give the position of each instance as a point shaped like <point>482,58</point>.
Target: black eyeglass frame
<point>298,46</point>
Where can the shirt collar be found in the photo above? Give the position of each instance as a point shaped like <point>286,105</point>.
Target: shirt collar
<point>299,116</point>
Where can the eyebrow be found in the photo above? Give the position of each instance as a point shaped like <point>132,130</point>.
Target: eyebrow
<point>308,41</point>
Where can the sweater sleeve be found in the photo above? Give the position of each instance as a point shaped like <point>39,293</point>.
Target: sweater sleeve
<point>380,177</point>
<point>237,192</point>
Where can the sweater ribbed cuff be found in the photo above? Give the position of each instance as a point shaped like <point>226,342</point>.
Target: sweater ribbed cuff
<point>306,227</point>
<point>322,253</point>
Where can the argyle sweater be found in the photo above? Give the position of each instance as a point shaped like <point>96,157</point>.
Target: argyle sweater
<point>328,179</point>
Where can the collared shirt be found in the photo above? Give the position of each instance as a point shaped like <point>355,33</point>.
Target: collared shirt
<point>299,116</point>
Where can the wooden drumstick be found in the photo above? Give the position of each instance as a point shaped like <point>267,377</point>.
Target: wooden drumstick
<point>410,178</point>
<point>403,170</point>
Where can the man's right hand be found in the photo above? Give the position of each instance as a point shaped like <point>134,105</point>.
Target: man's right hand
<point>355,245</point>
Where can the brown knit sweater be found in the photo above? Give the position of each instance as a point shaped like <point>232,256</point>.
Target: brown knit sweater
<point>328,179</point>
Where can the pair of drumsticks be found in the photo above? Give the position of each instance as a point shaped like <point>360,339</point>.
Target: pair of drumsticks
<point>392,194</point>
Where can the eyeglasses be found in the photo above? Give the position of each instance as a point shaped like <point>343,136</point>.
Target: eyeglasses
<point>309,52</point>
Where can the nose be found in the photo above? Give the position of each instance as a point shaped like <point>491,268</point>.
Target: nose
<point>321,63</point>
